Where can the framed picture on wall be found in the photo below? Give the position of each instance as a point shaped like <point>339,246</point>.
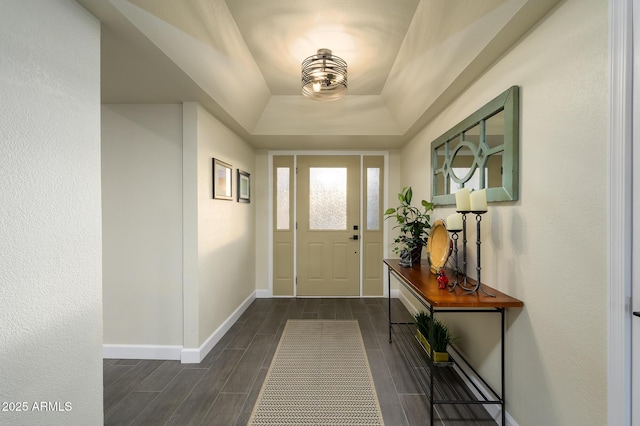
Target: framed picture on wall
<point>222,180</point>
<point>244,187</point>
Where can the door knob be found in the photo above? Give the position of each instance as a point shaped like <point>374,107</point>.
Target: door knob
<point>355,237</point>
<point>637,313</point>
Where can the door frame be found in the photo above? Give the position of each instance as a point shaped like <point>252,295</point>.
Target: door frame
<point>622,18</point>
<point>295,154</point>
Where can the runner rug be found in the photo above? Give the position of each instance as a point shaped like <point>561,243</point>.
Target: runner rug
<point>319,375</point>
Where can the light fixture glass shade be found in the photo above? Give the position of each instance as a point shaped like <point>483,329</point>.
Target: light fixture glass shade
<point>324,76</point>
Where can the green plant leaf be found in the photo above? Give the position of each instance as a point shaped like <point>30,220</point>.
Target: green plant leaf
<point>427,205</point>
<point>413,221</point>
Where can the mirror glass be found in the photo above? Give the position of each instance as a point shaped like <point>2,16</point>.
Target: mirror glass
<point>463,166</point>
<point>480,152</point>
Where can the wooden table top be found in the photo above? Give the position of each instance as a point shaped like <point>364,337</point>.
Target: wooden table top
<point>424,283</point>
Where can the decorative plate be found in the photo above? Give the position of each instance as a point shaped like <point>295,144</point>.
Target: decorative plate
<point>438,246</point>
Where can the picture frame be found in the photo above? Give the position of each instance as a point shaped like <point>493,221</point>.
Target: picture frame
<point>222,180</point>
<point>244,187</point>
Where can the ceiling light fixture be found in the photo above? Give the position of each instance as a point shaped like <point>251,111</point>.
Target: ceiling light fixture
<point>324,76</point>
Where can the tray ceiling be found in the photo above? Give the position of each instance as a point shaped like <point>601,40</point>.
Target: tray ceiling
<point>241,60</point>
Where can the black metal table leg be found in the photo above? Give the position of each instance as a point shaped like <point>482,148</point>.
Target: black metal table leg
<point>502,393</point>
<point>431,346</point>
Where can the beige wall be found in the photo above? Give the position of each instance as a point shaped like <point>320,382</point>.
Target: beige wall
<point>142,224</point>
<point>226,229</point>
<point>50,219</point>
<point>549,248</point>
<point>178,264</point>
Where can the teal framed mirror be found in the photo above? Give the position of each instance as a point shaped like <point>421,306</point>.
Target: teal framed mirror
<point>480,152</point>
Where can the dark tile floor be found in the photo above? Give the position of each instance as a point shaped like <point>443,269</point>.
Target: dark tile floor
<point>223,388</point>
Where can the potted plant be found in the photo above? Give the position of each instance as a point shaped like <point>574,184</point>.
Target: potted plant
<point>423,326</point>
<point>414,223</point>
<point>442,336</point>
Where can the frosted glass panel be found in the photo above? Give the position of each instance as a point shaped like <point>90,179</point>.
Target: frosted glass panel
<point>328,198</point>
<point>373,198</point>
<point>282,198</point>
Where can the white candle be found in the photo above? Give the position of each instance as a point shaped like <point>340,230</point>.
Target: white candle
<point>462,200</point>
<point>478,201</point>
<point>454,222</point>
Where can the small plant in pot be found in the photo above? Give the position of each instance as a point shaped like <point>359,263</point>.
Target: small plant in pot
<point>423,326</point>
<point>442,336</point>
<point>414,223</point>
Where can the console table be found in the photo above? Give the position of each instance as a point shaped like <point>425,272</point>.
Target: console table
<point>420,282</point>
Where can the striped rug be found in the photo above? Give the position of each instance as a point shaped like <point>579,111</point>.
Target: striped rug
<point>319,375</point>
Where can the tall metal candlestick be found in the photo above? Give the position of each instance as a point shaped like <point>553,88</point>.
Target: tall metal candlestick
<point>478,285</point>
<point>464,249</point>
<point>456,270</point>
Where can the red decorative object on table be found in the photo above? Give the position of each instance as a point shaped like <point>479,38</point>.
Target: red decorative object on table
<point>442,279</point>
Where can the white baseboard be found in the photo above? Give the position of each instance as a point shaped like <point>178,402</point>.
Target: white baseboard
<point>266,294</point>
<point>263,294</point>
<point>161,352</point>
<point>492,409</point>
<point>176,352</point>
<point>196,355</point>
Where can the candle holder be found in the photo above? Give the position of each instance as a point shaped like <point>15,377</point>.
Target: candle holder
<point>478,286</point>
<point>456,270</point>
<point>464,213</point>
